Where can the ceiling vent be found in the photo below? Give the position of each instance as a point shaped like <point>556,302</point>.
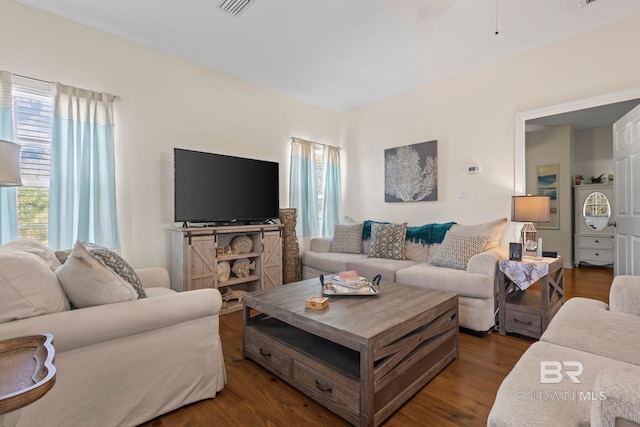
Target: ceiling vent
<point>583,3</point>
<point>236,7</point>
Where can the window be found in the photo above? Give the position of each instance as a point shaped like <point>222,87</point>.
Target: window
<point>67,162</point>
<point>33,119</point>
<point>314,187</point>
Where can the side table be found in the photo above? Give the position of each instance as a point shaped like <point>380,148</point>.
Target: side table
<point>528,311</point>
<point>26,374</point>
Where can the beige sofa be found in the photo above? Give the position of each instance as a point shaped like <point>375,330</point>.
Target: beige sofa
<point>123,363</point>
<point>599,346</point>
<point>475,285</point>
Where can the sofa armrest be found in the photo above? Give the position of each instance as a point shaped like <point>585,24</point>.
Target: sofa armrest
<point>624,295</point>
<point>154,277</point>
<point>321,244</point>
<point>93,325</point>
<point>487,262</point>
<point>617,397</point>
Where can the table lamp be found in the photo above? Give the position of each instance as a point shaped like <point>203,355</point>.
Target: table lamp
<point>9,164</point>
<point>530,209</point>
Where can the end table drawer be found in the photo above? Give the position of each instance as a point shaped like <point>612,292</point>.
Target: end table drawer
<point>524,323</point>
<point>339,394</point>
<point>268,353</point>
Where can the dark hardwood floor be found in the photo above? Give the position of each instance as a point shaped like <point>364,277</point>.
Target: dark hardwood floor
<point>461,395</point>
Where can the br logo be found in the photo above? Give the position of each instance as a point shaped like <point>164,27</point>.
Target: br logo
<point>552,372</point>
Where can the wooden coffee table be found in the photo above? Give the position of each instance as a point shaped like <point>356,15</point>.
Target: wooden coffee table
<point>363,356</point>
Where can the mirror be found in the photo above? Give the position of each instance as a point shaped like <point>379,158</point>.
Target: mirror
<point>596,211</point>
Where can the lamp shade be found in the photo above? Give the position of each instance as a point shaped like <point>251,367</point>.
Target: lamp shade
<point>9,164</point>
<point>530,209</point>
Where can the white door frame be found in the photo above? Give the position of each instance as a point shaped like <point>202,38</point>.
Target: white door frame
<point>520,170</point>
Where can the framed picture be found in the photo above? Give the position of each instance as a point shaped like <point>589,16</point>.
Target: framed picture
<point>548,186</point>
<point>411,173</point>
<point>515,251</point>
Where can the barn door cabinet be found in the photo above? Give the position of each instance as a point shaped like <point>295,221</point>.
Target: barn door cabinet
<point>203,257</point>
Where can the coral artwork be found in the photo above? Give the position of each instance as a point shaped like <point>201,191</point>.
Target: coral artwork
<point>411,173</point>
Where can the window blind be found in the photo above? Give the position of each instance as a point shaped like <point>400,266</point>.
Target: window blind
<point>33,110</point>
<point>33,119</point>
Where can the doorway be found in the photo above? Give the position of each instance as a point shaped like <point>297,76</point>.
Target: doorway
<point>582,114</point>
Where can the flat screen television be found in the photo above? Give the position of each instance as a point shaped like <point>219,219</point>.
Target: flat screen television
<point>215,188</point>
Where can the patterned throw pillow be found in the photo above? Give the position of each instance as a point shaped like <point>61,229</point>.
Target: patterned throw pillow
<point>457,248</point>
<point>493,231</point>
<point>366,228</point>
<point>347,239</point>
<point>118,265</point>
<point>387,241</point>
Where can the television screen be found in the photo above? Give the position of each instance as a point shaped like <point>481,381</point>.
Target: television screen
<point>217,188</point>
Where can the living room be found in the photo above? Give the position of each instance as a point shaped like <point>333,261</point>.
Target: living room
<point>169,102</point>
<point>471,115</point>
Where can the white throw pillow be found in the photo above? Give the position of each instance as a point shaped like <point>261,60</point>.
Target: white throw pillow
<point>34,247</point>
<point>88,282</point>
<point>27,287</point>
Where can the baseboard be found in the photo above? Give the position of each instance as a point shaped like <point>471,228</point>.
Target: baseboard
<point>480,334</point>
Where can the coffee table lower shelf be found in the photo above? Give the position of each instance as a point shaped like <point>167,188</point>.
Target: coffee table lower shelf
<point>293,355</point>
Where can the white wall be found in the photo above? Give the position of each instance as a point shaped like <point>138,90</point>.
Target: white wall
<point>166,103</point>
<point>593,154</point>
<point>472,117</point>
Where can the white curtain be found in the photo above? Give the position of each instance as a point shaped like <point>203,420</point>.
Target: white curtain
<point>82,186</point>
<point>331,197</point>
<point>303,187</point>
<point>8,195</point>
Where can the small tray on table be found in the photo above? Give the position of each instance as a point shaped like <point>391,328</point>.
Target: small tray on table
<point>334,287</point>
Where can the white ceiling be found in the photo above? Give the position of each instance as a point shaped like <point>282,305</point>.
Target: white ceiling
<point>588,118</point>
<point>342,54</point>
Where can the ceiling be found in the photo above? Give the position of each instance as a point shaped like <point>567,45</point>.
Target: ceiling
<point>588,118</point>
<point>343,54</point>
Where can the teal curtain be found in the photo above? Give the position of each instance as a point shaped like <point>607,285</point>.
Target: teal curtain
<point>8,195</point>
<point>331,197</point>
<point>303,187</point>
<point>82,186</point>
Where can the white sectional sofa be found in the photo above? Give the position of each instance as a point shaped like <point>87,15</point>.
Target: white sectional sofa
<point>595,343</point>
<point>474,283</point>
<point>118,364</point>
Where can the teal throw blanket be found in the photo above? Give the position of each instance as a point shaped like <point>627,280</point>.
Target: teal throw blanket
<point>426,234</point>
